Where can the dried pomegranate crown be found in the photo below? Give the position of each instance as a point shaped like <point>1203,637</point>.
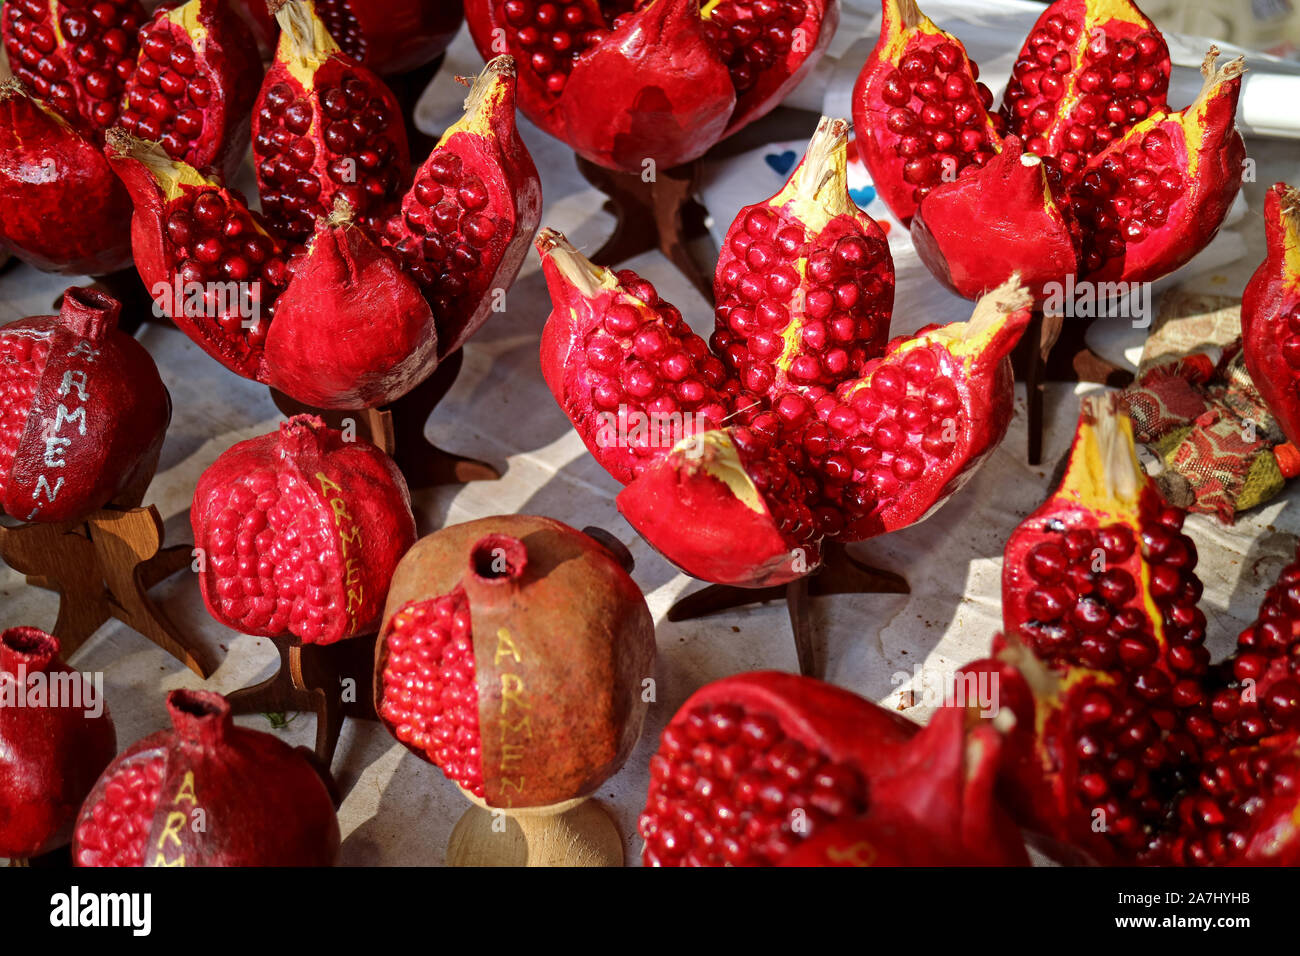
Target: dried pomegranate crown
<point>804,423</point>
<point>1120,187</point>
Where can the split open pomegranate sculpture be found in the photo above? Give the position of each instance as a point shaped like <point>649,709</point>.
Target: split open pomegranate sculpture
<point>625,82</point>
<point>1130,746</point>
<point>803,423</point>
<point>185,77</point>
<point>1085,170</point>
<point>512,655</point>
<point>362,275</point>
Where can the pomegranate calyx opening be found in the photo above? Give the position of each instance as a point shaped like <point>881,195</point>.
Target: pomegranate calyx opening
<point>305,43</point>
<point>301,435</point>
<point>497,560</point>
<point>89,313</point>
<point>27,646</point>
<point>199,716</point>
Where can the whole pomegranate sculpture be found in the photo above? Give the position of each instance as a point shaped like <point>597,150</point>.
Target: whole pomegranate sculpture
<point>1129,747</point>
<point>186,78</point>
<point>52,749</point>
<point>207,793</point>
<point>626,81</point>
<point>1084,171</point>
<point>301,531</point>
<point>767,769</point>
<point>387,283</point>
<point>512,655</point>
<point>387,36</point>
<point>83,412</point>
<point>64,209</point>
<point>803,423</point>
<point>1270,312</point>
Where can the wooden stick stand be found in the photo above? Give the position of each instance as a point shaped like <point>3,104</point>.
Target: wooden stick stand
<point>399,431</point>
<point>577,833</point>
<point>103,568</point>
<point>662,214</point>
<point>1055,349</point>
<point>332,681</point>
<point>840,573</point>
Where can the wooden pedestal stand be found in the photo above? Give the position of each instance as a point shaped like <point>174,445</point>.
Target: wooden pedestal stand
<point>316,678</point>
<point>103,568</point>
<point>399,431</point>
<point>663,214</point>
<point>1054,349</point>
<point>576,833</point>
<point>840,573</point>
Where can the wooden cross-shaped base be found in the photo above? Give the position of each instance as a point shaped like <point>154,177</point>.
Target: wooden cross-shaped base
<point>399,431</point>
<point>332,681</point>
<point>840,573</point>
<point>660,214</point>
<point>103,568</point>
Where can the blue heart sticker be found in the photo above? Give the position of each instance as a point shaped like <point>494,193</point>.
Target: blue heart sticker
<point>863,196</point>
<point>782,162</point>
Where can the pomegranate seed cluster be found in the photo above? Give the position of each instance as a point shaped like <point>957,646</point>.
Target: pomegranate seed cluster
<point>116,830</point>
<point>752,37</point>
<point>1268,661</point>
<point>429,693</point>
<point>215,240</point>
<point>22,360</point>
<point>795,503</point>
<point>729,788</point>
<point>85,72</point>
<point>1238,792</point>
<point>343,26</point>
<point>553,35</point>
<point>445,227</point>
<point>349,145</point>
<point>168,92</point>
<point>1087,607</point>
<point>839,301</point>
<point>1125,196</point>
<point>275,558</point>
<point>1120,81</point>
<point>937,114</point>
<point>644,357</point>
<point>874,437</point>
<point>1125,749</point>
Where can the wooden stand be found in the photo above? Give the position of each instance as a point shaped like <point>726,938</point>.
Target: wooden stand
<point>662,214</point>
<point>840,573</point>
<point>312,678</point>
<point>581,834</point>
<point>399,431</point>
<point>103,568</point>
<point>1055,349</point>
